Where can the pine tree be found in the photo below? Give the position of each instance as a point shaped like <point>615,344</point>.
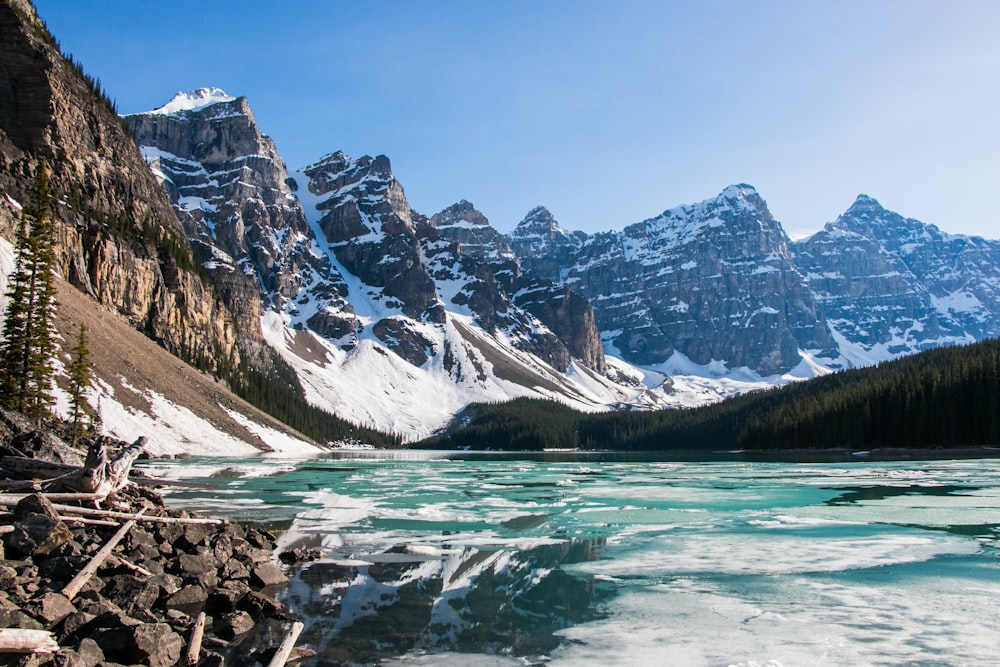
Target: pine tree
<point>79,380</point>
<point>97,420</point>
<point>27,350</point>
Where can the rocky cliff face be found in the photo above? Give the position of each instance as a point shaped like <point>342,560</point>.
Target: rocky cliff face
<point>118,239</point>
<point>231,191</point>
<point>543,246</point>
<point>566,313</point>
<point>713,281</point>
<point>367,222</point>
<point>892,285</point>
<point>412,270</point>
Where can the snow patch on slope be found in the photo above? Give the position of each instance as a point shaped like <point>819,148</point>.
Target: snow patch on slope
<point>6,268</point>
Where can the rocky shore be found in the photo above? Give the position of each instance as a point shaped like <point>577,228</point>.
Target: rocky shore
<point>173,589</point>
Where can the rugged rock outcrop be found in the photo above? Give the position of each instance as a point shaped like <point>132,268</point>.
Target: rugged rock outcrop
<point>463,224</point>
<point>336,255</point>
<point>118,239</point>
<point>543,246</point>
<point>564,312</point>
<point>412,270</point>
<point>231,190</point>
<point>372,231</point>
<point>141,604</point>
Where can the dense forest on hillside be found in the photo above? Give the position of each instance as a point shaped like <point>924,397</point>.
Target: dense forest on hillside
<point>948,397</point>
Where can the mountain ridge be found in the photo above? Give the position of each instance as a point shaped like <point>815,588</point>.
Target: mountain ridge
<point>378,308</point>
<point>712,285</point>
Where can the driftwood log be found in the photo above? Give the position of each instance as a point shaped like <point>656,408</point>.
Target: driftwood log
<point>100,476</point>
<point>53,497</point>
<point>16,640</point>
<point>74,586</point>
<point>286,646</point>
<point>197,636</point>
<point>6,501</point>
<point>47,472</point>
<point>36,468</point>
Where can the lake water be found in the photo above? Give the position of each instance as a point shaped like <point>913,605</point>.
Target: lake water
<point>445,559</point>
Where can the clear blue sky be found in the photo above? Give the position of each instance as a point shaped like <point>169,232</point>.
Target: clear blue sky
<point>605,112</point>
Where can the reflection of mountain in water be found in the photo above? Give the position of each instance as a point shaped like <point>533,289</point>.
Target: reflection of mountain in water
<point>500,601</point>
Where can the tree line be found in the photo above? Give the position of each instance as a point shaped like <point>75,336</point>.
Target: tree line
<point>946,397</point>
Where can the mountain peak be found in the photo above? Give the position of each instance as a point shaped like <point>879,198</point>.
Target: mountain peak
<point>743,195</point>
<point>864,202</point>
<point>539,218</point>
<point>739,190</point>
<point>463,214</point>
<point>195,100</point>
<point>864,212</point>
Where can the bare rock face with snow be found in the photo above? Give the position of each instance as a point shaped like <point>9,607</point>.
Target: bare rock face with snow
<point>371,229</point>
<point>461,223</point>
<point>891,285</point>
<point>243,211</point>
<point>714,281</point>
<point>487,254</point>
<point>231,191</point>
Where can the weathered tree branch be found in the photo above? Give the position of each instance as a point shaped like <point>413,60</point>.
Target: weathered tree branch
<point>111,514</point>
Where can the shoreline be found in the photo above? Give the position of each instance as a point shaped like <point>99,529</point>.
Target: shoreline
<point>132,581</point>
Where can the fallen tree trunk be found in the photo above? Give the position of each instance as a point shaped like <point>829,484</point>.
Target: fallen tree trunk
<point>45,470</point>
<point>19,484</point>
<point>98,475</point>
<point>52,496</point>
<point>16,640</point>
<point>35,468</point>
<point>103,477</point>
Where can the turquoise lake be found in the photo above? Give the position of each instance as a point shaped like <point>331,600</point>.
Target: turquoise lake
<point>566,559</point>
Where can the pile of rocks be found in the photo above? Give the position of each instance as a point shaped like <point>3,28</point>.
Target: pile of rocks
<point>168,573</point>
<point>141,606</point>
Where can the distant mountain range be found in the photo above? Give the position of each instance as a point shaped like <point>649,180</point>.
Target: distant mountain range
<point>397,321</point>
<point>347,270</point>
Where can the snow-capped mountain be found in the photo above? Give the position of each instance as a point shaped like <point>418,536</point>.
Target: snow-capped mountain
<point>891,285</point>
<point>713,281</point>
<point>487,253</point>
<point>719,285</point>
<point>390,319</point>
<point>230,189</point>
<point>396,320</point>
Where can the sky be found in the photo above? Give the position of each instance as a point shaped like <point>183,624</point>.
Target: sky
<point>607,113</point>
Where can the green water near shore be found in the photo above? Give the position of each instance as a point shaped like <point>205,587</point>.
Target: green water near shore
<point>433,558</point>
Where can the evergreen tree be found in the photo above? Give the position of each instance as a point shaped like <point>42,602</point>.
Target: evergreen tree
<point>79,380</point>
<point>28,347</point>
<point>97,420</point>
